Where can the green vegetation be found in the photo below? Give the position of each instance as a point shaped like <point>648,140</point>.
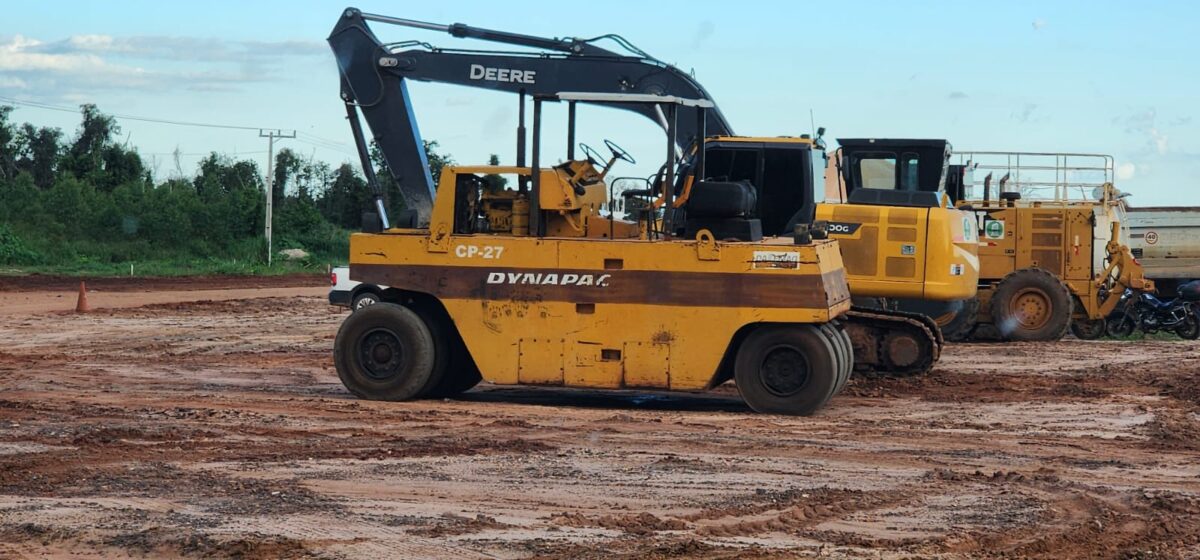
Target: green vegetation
<point>88,205</point>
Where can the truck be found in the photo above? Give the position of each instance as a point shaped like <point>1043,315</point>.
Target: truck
<point>1166,240</point>
<point>344,292</point>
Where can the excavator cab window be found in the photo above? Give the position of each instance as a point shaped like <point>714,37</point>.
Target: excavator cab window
<point>894,172</point>
<point>887,170</point>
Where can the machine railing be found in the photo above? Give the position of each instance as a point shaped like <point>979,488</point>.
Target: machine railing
<point>1061,177</point>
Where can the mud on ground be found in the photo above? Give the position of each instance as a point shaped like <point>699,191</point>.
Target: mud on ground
<point>219,429</point>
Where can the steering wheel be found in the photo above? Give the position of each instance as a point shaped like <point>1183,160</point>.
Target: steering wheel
<point>591,153</point>
<point>619,152</point>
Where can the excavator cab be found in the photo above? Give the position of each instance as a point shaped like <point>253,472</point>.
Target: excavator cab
<point>893,172</point>
<point>885,200</point>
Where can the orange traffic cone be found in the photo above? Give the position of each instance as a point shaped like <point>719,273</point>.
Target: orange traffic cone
<point>82,306</point>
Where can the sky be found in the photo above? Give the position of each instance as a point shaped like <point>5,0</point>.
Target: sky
<point>1103,76</point>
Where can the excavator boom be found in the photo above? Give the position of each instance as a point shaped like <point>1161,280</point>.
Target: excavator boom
<point>374,76</point>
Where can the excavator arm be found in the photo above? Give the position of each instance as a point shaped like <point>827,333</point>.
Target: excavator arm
<point>374,75</point>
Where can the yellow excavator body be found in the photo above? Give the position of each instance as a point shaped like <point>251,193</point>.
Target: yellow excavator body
<point>894,252</point>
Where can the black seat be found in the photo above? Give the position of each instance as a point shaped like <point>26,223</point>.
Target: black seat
<point>722,199</point>
<point>1190,291</point>
<point>723,207</point>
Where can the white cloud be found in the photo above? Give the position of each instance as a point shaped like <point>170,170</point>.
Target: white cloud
<point>1038,24</point>
<point>164,47</point>
<point>21,53</point>
<point>1159,140</point>
<point>1145,123</point>
<point>1138,122</point>
<point>1125,171</point>
<point>77,98</point>
<point>12,82</point>
<point>85,63</point>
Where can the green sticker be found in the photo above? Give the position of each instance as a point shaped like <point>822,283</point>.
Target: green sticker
<point>994,229</point>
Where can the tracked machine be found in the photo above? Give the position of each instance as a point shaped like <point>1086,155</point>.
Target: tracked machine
<point>539,285</point>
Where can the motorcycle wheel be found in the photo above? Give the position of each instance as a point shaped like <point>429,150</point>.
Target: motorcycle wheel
<point>1120,327</point>
<point>1190,329</point>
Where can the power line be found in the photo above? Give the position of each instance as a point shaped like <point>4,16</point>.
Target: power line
<point>310,139</point>
<point>323,139</point>
<point>48,106</point>
<point>341,150</point>
<point>189,154</point>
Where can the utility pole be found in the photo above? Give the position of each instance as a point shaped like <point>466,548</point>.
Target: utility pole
<point>271,135</point>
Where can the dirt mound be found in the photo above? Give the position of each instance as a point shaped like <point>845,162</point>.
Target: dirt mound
<point>643,523</point>
<point>159,542</point>
<point>451,525</point>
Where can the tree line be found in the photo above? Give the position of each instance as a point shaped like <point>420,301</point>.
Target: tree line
<point>89,198</point>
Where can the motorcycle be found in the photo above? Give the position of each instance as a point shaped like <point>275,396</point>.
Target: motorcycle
<point>1150,314</point>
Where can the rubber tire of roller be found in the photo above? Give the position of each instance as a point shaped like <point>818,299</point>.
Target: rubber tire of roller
<point>843,352</point>
<point>390,324</point>
<point>820,364</point>
<point>454,371</point>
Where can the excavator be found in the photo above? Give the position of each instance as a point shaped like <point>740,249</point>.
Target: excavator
<point>918,247</point>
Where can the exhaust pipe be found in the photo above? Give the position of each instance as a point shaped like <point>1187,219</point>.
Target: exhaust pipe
<point>1004,200</point>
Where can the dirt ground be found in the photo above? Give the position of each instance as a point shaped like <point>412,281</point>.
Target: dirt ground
<point>219,429</point>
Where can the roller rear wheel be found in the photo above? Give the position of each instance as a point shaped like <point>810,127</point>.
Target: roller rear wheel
<point>791,370</point>
<point>842,350</point>
<point>384,352</point>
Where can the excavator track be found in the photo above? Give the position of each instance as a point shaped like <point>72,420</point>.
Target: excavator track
<point>892,343</point>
